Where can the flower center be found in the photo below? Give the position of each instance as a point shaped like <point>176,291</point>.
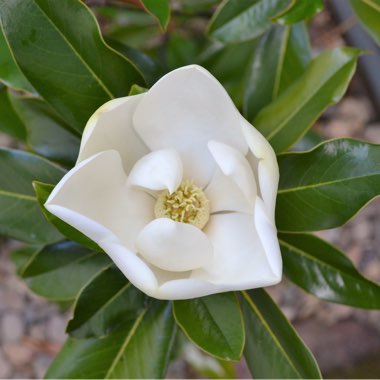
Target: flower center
<point>188,204</point>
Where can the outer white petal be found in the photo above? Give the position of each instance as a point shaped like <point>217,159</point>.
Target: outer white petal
<point>111,127</point>
<point>267,167</point>
<point>234,165</point>
<point>240,258</point>
<point>184,110</point>
<point>174,246</point>
<point>94,198</point>
<point>158,170</point>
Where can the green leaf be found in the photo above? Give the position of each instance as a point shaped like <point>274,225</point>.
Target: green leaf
<point>281,57</point>
<point>217,59</point>
<point>105,304</point>
<point>43,191</point>
<point>47,133</point>
<point>137,90</point>
<point>159,9</point>
<point>22,256</point>
<point>10,122</point>
<point>74,70</point>
<point>59,271</point>
<point>299,10</point>
<point>242,20</point>
<point>214,323</point>
<point>140,350</point>
<point>368,12</point>
<point>325,187</point>
<point>273,349</point>
<point>21,217</point>
<point>321,269</point>
<point>285,120</point>
<point>10,74</point>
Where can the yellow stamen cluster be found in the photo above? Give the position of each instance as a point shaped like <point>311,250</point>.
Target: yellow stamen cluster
<point>188,204</point>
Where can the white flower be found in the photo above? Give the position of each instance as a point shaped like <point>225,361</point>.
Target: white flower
<point>178,189</point>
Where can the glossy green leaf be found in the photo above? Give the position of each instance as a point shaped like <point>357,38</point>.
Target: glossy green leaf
<point>21,217</point>
<point>285,120</point>
<point>59,271</point>
<point>74,70</point>
<point>43,191</point>
<point>368,12</point>
<point>217,59</point>
<point>273,349</point>
<point>105,304</point>
<point>299,10</point>
<point>159,9</point>
<point>321,269</point>
<point>280,58</point>
<point>47,133</point>
<point>140,350</point>
<point>10,74</point>
<point>21,257</point>
<point>242,20</point>
<point>10,122</point>
<point>214,323</point>
<point>325,187</point>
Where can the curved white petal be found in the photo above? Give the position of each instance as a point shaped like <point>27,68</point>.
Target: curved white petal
<point>184,110</point>
<point>267,167</point>
<point>111,127</point>
<point>240,259</point>
<point>158,170</point>
<point>135,269</point>
<point>234,165</point>
<point>95,199</point>
<point>225,195</point>
<point>174,246</point>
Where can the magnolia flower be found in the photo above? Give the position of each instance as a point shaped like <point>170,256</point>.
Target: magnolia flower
<point>178,189</point>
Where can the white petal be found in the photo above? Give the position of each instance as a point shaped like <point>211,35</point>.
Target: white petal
<point>94,198</point>
<point>234,165</point>
<point>240,259</point>
<point>184,110</point>
<point>174,246</point>
<point>111,127</point>
<point>135,269</point>
<point>186,289</point>
<point>158,170</point>
<point>267,170</point>
<point>225,195</point>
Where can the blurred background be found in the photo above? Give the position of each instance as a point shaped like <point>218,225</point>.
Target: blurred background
<point>344,340</point>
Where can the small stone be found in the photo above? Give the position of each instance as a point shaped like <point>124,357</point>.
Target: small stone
<point>55,329</point>
<point>372,133</point>
<point>37,332</point>
<point>10,300</point>
<point>12,327</point>
<point>40,365</point>
<point>362,231</point>
<point>5,368</point>
<point>18,355</point>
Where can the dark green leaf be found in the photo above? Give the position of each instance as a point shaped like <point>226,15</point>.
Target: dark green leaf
<point>10,122</point>
<point>59,48</point>
<point>59,271</point>
<point>324,271</point>
<point>10,74</point>
<point>273,349</point>
<point>21,217</point>
<point>21,257</point>
<point>140,350</point>
<point>159,9</point>
<point>47,133</point>
<point>105,304</point>
<point>285,120</point>
<point>214,323</point>
<point>242,20</point>
<point>43,191</point>
<point>217,59</point>
<point>299,10</point>
<point>368,12</point>
<point>280,58</point>
<point>327,186</point>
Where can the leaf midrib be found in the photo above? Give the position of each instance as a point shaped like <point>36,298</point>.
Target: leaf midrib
<point>18,195</point>
<point>328,183</point>
<point>71,46</point>
<point>372,5</point>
